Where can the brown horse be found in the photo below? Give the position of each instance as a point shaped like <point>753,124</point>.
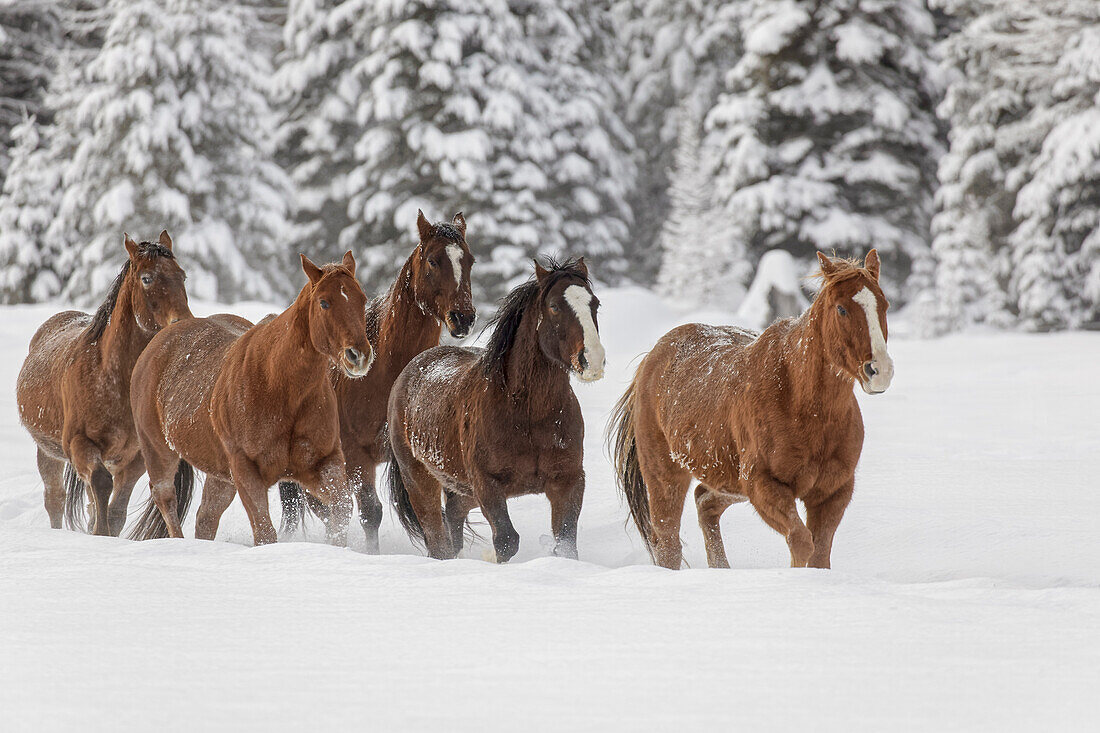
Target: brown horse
<point>433,288</point>
<point>74,388</point>
<point>769,419</point>
<point>251,406</point>
<point>483,425</point>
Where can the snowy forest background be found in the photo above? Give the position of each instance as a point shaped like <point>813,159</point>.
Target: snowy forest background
<point>671,142</point>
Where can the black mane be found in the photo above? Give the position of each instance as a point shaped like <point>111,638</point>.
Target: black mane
<point>505,323</point>
<point>102,316</point>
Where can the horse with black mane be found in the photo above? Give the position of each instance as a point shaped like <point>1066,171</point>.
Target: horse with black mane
<point>250,406</point>
<point>432,289</point>
<point>478,426</point>
<point>769,418</point>
<point>73,391</point>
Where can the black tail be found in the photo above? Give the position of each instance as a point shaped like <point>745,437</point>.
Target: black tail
<point>628,473</point>
<point>294,506</point>
<point>151,525</point>
<point>399,498</point>
<point>76,516</point>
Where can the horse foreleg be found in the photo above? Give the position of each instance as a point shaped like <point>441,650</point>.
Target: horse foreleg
<point>710,505</point>
<point>123,481</point>
<point>775,503</point>
<point>52,471</point>
<point>332,490</point>
<point>86,460</point>
<point>565,511</point>
<point>493,499</point>
<point>217,495</point>
<point>823,518</point>
<point>253,492</point>
<point>458,507</point>
<point>361,483</point>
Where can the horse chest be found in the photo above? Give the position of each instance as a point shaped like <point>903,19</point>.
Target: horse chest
<point>816,454</point>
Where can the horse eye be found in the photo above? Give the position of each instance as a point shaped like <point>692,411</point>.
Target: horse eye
<point>841,311</point>
<point>324,304</point>
<point>554,309</point>
<point>432,263</point>
<point>146,280</point>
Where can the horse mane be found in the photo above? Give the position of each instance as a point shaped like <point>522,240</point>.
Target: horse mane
<point>847,268</point>
<point>505,323</point>
<point>102,316</point>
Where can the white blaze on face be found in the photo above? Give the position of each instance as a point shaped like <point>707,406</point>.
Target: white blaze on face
<point>880,360</point>
<point>455,253</point>
<point>580,300</point>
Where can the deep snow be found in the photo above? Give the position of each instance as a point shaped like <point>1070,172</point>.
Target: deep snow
<point>965,592</point>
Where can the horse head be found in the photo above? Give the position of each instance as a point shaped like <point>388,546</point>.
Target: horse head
<point>440,273</point>
<point>568,332</point>
<point>337,315</point>
<point>853,312</point>
<point>157,293</point>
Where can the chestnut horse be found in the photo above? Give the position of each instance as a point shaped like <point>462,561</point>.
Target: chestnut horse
<point>433,288</point>
<point>74,388</point>
<point>770,419</point>
<point>251,406</point>
<point>483,425</point>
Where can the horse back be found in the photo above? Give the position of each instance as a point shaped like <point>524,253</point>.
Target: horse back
<point>52,353</point>
<point>173,382</point>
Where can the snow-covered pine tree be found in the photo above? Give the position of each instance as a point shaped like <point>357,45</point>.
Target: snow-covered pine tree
<point>825,137</point>
<point>173,131</point>
<point>703,261</point>
<point>454,105</point>
<point>30,38</point>
<point>670,53</point>
<point>1015,230</point>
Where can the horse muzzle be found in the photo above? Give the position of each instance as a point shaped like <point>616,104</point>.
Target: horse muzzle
<point>355,363</point>
<point>589,364</point>
<point>459,323</point>
<point>875,375</point>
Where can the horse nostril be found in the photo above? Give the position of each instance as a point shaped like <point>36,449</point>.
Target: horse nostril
<point>870,370</point>
<point>582,360</point>
<point>353,355</point>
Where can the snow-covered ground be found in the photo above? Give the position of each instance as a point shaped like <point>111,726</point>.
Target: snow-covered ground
<point>965,593</point>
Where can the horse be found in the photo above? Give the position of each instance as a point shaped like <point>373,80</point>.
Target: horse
<point>433,288</point>
<point>251,405</point>
<point>768,418</point>
<point>73,390</point>
<point>484,425</point>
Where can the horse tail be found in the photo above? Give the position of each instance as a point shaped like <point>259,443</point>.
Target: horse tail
<point>399,498</point>
<point>624,455</point>
<point>294,506</point>
<point>76,518</point>
<point>151,524</point>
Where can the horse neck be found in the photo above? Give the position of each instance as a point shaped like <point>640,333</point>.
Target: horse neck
<point>292,355</point>
<point>404,328</point>
<point>531,378</point>
<point>123,339</point>
<point>816,383</point>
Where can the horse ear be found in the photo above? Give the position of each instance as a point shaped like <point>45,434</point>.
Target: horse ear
<point>540,271</point>
<point>423,226</point>
<point>312,271</point>
<point>827,266</point>
<point>459,222</point>
<point>165,240</point>
<point>131,246</point>
<point>582,267</point>
<point>349,262</point>
<point>872,263</point>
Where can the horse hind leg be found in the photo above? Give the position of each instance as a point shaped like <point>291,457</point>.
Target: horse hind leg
<point>711,505</point>
<point>52,471</point>
<point>774,501</point>
<point>123,482</point>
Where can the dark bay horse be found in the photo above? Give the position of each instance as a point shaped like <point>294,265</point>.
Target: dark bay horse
<point>250,406</point>
<point>73,391</point>
<point>432,289</point>
<point>770,419</point>
<point>481,425</point>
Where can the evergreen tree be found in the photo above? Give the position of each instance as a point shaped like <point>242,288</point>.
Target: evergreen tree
<point>173,131</point>
<point>825,138</point>
<point>30,36</point>
<point>703,263</point>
